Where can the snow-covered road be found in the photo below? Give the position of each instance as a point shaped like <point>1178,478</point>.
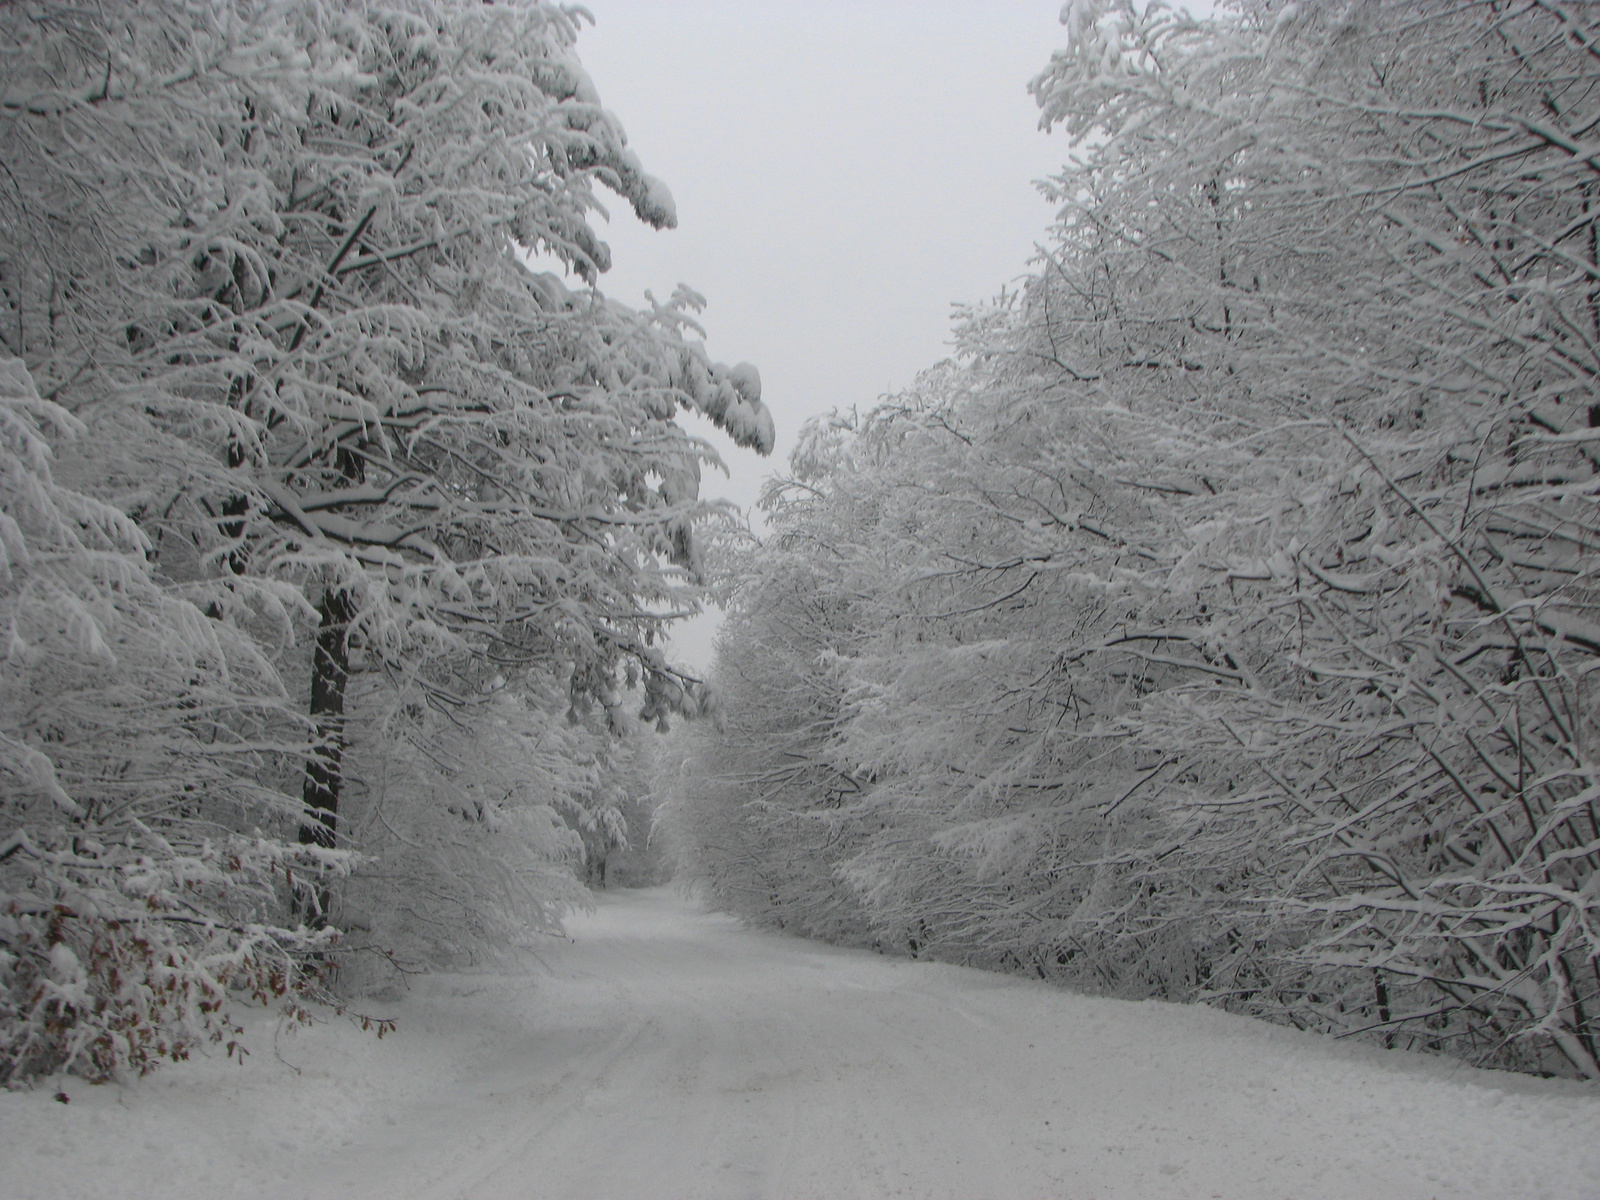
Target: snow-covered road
<point>669,1053</point>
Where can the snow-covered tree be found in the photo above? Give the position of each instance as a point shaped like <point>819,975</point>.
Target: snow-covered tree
<point>1241,580</point>
<point>764,812</point>
<point>273,259</point>
<point>1392,208</point>
<point>143,750</point>
<point>307,285</point>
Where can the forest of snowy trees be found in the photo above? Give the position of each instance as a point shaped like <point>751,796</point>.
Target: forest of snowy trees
<point>1215,626</point>
<point>1220,624</point>
<point>334,534</point>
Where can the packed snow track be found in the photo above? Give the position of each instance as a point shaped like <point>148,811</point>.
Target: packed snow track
<point>667,1053</point>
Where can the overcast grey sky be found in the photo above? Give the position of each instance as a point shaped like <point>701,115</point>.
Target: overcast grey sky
<point>844,171</point>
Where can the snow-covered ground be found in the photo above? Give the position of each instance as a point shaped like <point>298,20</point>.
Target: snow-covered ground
<point>670,1053</point>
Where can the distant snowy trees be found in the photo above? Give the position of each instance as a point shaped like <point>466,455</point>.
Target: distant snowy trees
<point>1224,626</point>
<point>323,506</point>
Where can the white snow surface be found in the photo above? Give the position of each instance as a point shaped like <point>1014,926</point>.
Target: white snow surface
<point>667,1052</point>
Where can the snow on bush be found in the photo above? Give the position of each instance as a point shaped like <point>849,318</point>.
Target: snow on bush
<point>137,887</point>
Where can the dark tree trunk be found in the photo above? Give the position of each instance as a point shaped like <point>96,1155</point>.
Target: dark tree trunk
<point>324,769</point>
<point>235,508</point>
<point>1381,992</point>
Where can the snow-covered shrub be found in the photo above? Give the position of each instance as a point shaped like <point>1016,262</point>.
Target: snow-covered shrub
<point>456,806</point>
<point>143,871</point>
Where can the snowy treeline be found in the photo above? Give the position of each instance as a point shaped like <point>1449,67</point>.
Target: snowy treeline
<point>1221,625</point>
<point>328,525</point>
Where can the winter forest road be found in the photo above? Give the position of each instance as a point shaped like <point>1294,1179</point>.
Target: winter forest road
<point>667,1054</point>
<point>671,1053</point>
